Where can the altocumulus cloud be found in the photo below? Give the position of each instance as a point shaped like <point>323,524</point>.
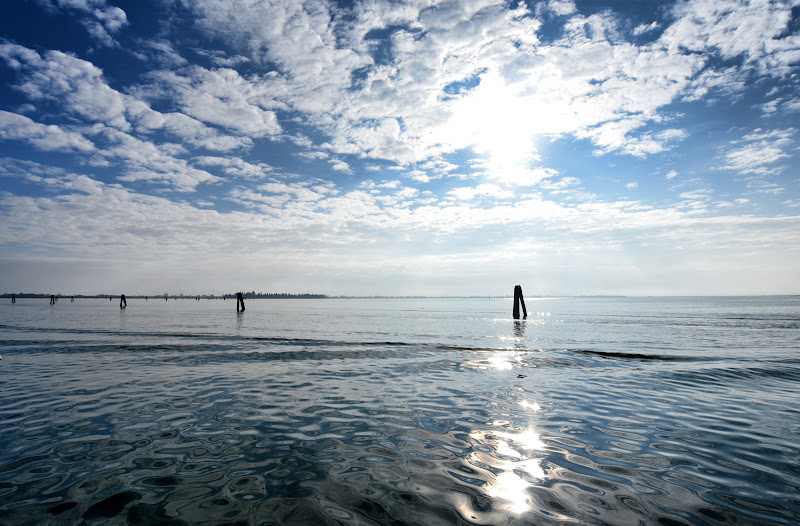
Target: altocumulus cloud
<point>364,147</point>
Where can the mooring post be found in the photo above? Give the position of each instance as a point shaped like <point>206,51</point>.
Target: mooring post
<point>123,302</point>
<point>52,299</point>
<point>239,301</point>
<point>518,299</point>
<point>72,299</point>
<point>13,298</point>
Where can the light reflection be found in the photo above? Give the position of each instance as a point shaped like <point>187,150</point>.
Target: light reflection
<point>510,487</point>
<point>500,362</point>
<point>530,405</point>
<point>526,440</point>
<point>509,458</point>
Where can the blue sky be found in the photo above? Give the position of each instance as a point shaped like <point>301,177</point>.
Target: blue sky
<point>403,148</point>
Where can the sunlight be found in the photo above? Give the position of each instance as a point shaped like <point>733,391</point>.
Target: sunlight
<point>527,440</point>
<point>516,472</point>
<point>495,119</point>
<point>510,487</point>
<point>500,362</point>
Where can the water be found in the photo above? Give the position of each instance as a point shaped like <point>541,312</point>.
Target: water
<point>434,411</point>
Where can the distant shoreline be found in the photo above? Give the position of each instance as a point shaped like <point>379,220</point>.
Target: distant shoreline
<point>256,296</point>
<point>247,295</point>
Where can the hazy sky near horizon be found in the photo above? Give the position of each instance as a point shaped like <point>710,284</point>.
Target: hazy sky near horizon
<point>400,147</point>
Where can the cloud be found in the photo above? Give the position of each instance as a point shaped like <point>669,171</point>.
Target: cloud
<point>221,97</point>
<point>146,161</point>
<point>340,166</point>
<point>467,193</point>
<point>236,166</point>
<point>757,31</point>
<point>41,136</point>
<point>79,89</point>
<point>561,7</point>
<point>101,20</point>
<point>641,29</point>
<point>757,152</point>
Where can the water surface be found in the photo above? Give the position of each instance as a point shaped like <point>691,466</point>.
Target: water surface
<point>431,411</point>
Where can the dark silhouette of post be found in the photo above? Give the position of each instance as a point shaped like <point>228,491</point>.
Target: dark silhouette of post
<point>517,300</point>
<point>123,302</point>
<point>52,299</point>
<point>72,299</point>
<point>13,298</point>
<point>239,302</point>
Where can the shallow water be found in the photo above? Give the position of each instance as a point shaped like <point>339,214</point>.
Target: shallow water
<point>435,411</point>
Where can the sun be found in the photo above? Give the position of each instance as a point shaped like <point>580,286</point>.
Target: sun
<point>498,122</point>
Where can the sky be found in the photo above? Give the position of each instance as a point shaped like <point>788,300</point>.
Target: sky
<point>400,147</point>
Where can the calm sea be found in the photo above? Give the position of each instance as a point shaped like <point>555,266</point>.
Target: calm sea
<point>434,411</point>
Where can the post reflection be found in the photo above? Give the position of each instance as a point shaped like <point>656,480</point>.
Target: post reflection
<point>519,330</point>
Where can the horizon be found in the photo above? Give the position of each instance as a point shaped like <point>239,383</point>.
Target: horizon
<point>314,295</point>
<point>401,149</point>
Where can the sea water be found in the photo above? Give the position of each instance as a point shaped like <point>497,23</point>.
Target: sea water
<point>401,411</point>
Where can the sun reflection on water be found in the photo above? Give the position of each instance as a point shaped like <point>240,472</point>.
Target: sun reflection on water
<point>512,457</point>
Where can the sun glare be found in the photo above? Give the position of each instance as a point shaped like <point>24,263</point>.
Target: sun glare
<point>498,124</point>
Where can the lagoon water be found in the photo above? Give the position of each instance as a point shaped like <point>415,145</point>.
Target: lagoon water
<point>404,411</point>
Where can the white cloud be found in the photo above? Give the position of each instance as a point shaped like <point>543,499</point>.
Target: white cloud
<point>646,28</point>
<point>671,174</point>
<point>79,88</point>
<point>757,152</point>
<point>561,7</point>
<point>340,166</point>
<point>41,136</point>
<point>221,97</point>
<point>467,193</point>
<point>146,161</point>
<point>728,82</point>
<point>100,19</point>
<point>236,166</point>
<point>755,30</point>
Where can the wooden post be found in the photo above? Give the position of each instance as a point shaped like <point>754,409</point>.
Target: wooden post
<point>52,299</point>
<point>13,298</point>
<point>518,299</point>
<point>123,302</point>
<point>239,301</point>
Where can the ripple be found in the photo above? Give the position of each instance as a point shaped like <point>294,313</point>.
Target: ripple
<point>293,431</point>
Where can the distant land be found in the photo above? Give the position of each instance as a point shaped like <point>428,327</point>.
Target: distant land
<point>247,295</point>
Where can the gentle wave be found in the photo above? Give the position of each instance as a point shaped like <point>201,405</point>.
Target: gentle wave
<point>402,416</point>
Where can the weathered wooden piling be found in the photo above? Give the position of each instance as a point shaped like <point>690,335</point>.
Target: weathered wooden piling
<point>239,302</point>
<point>518,299</point>
<point>123,302</point>
<point>52,299</point>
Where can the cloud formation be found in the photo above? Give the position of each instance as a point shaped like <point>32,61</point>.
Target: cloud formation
<point>329,137</point>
